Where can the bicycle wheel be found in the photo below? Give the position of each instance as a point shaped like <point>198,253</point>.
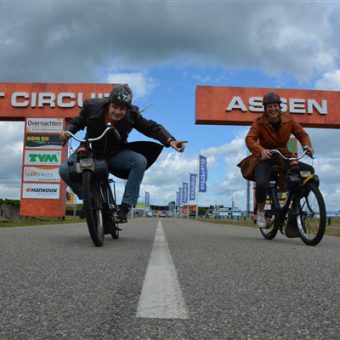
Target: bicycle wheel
<point>311,218</point>
<point>93,207</point>
<point>271,230</point>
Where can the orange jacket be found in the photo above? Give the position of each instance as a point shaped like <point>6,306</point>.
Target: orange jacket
<point>262,135</point>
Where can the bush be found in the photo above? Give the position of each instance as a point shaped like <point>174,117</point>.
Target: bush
<point>6,201</point>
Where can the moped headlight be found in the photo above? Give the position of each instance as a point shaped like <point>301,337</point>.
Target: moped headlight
<point>305,173</point>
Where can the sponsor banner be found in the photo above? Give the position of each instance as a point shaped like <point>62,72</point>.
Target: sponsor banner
<point>41,174</point>
<point>44,125</point>
<point>37,190</point>
<point>203,174</point>
<point>35,157</point>
<point>185,193</point>
<point>38,141</point>
<point>180,195</point>
<point>192,187</point>
<point>147,198</point>
<point>178,199</point>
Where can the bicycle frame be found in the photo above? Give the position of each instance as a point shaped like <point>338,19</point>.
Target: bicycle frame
<point>280,212</point>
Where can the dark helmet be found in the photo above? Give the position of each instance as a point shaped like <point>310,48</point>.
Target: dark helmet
<point>271,98</point>
<point>121,95</point>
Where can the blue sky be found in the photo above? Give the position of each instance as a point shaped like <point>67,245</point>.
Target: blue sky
<point>164,49</point>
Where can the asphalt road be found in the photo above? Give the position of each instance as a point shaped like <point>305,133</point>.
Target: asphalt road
<point>230,283</point>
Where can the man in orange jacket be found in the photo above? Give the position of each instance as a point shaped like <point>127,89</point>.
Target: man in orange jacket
<point>272,130</point>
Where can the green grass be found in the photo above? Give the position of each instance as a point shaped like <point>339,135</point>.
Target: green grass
<point>331,230</point>
<point>31,221</point>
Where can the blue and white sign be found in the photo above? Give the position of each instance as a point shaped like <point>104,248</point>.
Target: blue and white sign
<point>180,196</point>
<point>178,199</point>
<point>185,192</point>
<point>192,187</point>
<point>203,174</point>
<point>147,198</point>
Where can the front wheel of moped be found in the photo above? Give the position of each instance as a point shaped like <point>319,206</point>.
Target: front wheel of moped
<point>93,207</point>
<point>271,226</point>
<point>311,215</point>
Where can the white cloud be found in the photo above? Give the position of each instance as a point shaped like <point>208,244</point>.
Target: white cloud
<point>275,37</point>
<point>164,178</point>
<point>140,84</point>
<point>11,140</point>
<point>329,81</point>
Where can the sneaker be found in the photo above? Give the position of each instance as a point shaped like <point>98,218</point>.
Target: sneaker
<point>122,212</point>
<point>261,221</point>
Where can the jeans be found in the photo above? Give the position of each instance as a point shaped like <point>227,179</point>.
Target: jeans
<point>125,160</point>
<point>262,176</point>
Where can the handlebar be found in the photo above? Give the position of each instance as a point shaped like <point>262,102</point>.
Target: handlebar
<point>90,140</point>
<point>291,158</point>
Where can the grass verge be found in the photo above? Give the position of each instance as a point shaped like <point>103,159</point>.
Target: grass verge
<point>30,221</point>
<point>332,229</point>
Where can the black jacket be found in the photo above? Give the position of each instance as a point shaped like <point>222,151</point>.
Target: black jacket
<point>92,117</point>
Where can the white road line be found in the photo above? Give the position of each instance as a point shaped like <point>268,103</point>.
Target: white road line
<point>161,294</point>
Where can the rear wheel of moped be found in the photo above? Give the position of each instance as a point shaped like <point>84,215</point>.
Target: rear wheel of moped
<point>311,217</point>
<point>93,207</point>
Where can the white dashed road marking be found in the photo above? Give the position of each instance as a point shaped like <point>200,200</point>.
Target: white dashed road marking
<point>161,294</point>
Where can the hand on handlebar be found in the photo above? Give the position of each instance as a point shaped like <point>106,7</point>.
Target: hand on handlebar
<point>265,154</point>
<point>64,137</point>
<point>310,151</point>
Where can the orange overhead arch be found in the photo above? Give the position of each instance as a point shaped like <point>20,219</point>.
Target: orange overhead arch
<point>21,100</point>
<point>241,105</point>
<point>44,107</point>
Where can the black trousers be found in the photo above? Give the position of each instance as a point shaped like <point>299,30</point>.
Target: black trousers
<point>262,176</point>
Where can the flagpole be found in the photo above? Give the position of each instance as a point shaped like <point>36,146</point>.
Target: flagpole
<point>175,204</point>
<point>197,180</point>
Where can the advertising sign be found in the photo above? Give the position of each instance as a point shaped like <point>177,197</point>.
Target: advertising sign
<point>185,193</point>
<point>180,190</point>
<point>44,125</point>
<point>42,157</point>
<point>203,174</point>
<point>192,187</point>
<point>147,199</point>
<point>42,141</point>
<point>44,107</point>
<point>43,190</point>
<point>178,199</point>
<point>20,101</point>
<point>41,174</point>
<point>241,105</point>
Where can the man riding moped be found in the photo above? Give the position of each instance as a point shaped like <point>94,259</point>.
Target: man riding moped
<point>125,160</point>
<point>271,130</point>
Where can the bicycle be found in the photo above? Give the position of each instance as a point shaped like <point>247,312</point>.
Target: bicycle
<point>99,199</point>
<point>303,213</point>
